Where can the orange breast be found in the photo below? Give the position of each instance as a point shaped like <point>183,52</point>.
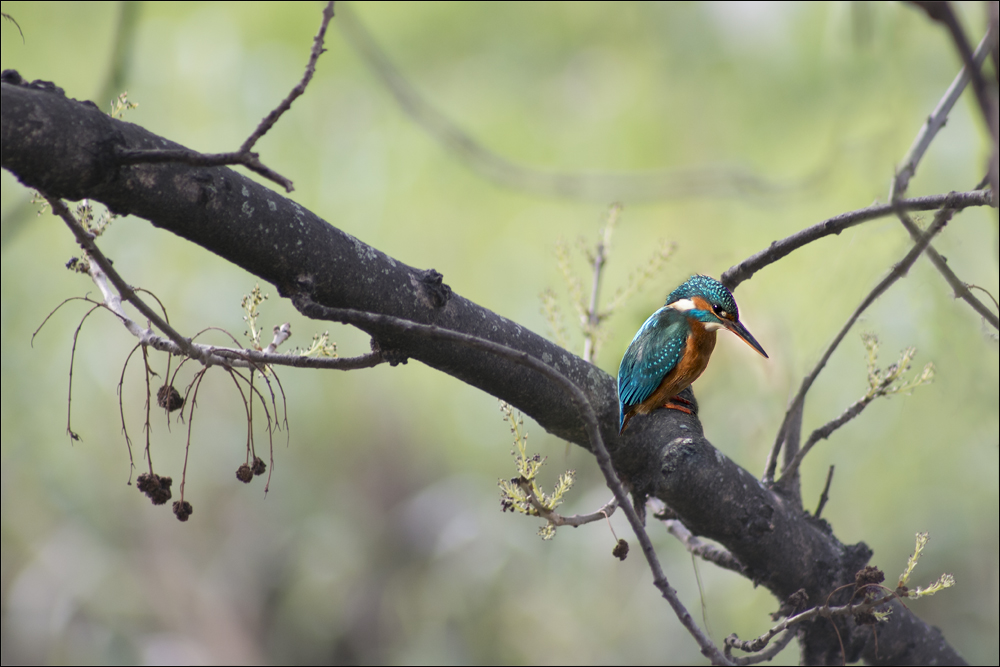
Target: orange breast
<point>693,363</point>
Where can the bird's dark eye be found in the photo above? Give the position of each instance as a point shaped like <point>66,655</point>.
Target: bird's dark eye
<point>720,311</point>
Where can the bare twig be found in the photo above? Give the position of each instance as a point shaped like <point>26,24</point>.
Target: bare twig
<point>575,520</point>
<point>987,293</point>
<point>709,552</point>
<point>121,407</point>
<point>72,358</point>
<point>244,156</point>
<point>317,51</point>
<point>935,122</point>
<point>791,466</point>
<point>880,383</point>
<point>12,20</point>
<point>943,13</point>
<point>901,182</point>
<point>147,426</point>
<point>191,398</point>
<point>779,249</point>
<point>825,496</point>
<point>898,271</point>
<point>310,308</point>
<point>765,655</point>
<point>600,257</point>
<point>958,286</point>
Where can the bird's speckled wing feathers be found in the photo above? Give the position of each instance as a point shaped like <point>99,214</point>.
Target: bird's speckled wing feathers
<point>653,353</point>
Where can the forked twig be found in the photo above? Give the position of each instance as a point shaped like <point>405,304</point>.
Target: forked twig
<point>898,271</point>
<point>244,156</point>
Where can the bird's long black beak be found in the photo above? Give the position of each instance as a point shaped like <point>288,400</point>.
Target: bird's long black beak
<point>741,331</point>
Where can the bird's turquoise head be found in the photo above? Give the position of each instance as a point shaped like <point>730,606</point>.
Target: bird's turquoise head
<point>707,300</point>
<point>710,289</point>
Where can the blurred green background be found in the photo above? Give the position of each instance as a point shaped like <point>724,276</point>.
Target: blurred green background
<point>382,539</point>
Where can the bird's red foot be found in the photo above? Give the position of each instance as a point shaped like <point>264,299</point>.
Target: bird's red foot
<point>675,404</point>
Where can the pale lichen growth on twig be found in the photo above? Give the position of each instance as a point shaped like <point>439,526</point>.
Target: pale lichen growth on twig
<point>943,582</point>
<point>886,382</point>
<point>251,309</point>
<point>522,493</point>
<point>120,105</point>
<point>321,346</point>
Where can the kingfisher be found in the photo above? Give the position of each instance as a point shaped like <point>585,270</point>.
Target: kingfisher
<point>672,347</point>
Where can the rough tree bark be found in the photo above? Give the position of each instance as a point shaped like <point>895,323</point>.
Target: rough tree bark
<point>70,149</point>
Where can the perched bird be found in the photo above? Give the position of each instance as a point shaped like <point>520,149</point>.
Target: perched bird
<point>672,348</point>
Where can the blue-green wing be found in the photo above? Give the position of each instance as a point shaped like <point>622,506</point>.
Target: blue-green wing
<point>655,350</point>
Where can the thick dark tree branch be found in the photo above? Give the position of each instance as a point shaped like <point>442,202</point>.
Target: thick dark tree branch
<point>68,149</point>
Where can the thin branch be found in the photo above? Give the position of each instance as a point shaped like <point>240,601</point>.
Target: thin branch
<point>311,309</point>
<point>244,156</point>
<point>121,407</point>
<point>898,271</point>
<point>779,249</point>
<point>593,318</point>
<point>317,51</point>
<point>943,13</point>
<point>822,433</point>
<point>16,24</point>
<point>987,293</point>
<point>935,122</point>
<point>901,182</point>
<point>709,552</point>
<point>72,359</point>
<point>765,655</point>
<point>825,496</point>
<point>880,383</point>
<point>958,286</point>
<point>182,508</point>
<point>574,520</point>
